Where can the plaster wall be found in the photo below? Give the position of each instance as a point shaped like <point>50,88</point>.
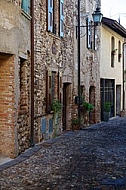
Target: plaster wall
<point>106,71</point>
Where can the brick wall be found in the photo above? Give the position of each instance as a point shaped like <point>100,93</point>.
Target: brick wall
<point>7,136</point>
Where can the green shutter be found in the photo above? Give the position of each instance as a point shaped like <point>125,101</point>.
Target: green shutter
<point>26,6</point>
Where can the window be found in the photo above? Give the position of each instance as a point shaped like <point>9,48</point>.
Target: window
<point>112,51</point>
<point>61,18</point>
<point>119,51</point>
<point>25,5</point>
<point>53,88</point>
<point>55,17</point>
<point>50,15</point>
<point>91,36</point>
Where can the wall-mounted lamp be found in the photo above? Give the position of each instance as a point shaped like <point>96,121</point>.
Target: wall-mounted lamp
<point>97,16</point>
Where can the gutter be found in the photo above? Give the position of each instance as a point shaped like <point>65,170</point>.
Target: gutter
<point>123,76</point>
<point>32,75</point>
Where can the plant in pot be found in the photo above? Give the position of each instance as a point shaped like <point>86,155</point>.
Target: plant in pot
<point>107,110</point>
<point>114,52</point>
<point>120,55</point>
<point>56,108</point>
<point>76,123</point>
<point>87,108</point>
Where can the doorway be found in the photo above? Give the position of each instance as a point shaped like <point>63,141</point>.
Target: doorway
<point>66,105</point>
<point>118,99</point>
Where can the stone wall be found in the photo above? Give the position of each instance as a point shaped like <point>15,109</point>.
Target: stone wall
<point>53,54</point>
<point>89,60</point>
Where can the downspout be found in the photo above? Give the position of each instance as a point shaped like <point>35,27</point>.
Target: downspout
<point>123,76</point>
<point>32,75</point>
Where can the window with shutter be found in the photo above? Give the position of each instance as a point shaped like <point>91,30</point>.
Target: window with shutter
<point>51,86</point>
<point>48,90</point>
<point>61,18</point>
<point>25,5</point>
<point>88,33</point>
<point>50,15</point>
<point>60,86</point>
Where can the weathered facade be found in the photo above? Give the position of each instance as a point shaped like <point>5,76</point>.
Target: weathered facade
<point>89,59</point>
<point>14,78</point>
<point>39,67</point>
<point>53,66</point>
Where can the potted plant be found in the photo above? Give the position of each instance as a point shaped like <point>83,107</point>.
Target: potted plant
<point>56,108</point>
<point>120,55</point>
<point>76,123</point>
<point>114,52</point>
<point>107,111</point>
<point>88,106</point>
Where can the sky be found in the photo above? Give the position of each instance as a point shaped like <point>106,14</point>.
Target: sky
<point>114,9</point>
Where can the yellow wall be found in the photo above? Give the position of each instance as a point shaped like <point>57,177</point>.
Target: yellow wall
<point>106,71</point>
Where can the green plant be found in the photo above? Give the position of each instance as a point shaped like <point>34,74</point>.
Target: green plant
<point>107,106</point>
<point>88,106</point>
<point>56,106</point>
<point>114,51</point>
<point>76,121</point>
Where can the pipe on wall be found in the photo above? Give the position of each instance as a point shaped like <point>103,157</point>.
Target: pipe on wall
<point>124,44</point>
<point>32,75</point>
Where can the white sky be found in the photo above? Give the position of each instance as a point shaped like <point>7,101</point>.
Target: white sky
<point>113,9</point>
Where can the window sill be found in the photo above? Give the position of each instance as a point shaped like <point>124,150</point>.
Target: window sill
<point>26,14</point>
<point>54,35</point>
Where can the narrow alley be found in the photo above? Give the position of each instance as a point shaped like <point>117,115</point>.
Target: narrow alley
<point>92,158</point>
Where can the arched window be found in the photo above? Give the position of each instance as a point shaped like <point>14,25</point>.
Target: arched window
<point>112,51</point>
<point>119,51</point>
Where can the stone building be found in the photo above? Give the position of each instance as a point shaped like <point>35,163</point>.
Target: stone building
<point>38,59</point>
<point>15,50</point>
<point>89,59</point>
<point>53,66</point>
<point>56,65</point>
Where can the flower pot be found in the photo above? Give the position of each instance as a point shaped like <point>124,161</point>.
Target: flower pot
<point>106,116</point>
<point>76,127</point>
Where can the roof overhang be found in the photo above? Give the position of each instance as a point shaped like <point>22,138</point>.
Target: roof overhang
<point>115,26</point>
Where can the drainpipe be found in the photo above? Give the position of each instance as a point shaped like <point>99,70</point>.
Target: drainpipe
<point>123,75</point>
<point>32,75</point>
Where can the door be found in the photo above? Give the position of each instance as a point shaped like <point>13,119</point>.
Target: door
<point>118,99</point>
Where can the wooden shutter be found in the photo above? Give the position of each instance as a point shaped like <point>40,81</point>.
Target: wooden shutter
<point>60,86</point>
<point>48,90</point>
<point>26,6</point>
<point>61,18</point>
<point>50,15</point>
<point>88,33</point>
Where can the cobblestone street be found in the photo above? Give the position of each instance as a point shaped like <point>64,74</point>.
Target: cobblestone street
<point>90,159</point>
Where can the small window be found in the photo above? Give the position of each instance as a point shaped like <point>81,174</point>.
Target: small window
<point>26,6</point>
<point>112,50</point>
<point>119,51</point>
<point>88,33</point>
<point>55,17</point>
<point>91,36</point>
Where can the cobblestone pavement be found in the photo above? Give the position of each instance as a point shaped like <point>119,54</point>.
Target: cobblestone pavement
<point>89,159</point>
